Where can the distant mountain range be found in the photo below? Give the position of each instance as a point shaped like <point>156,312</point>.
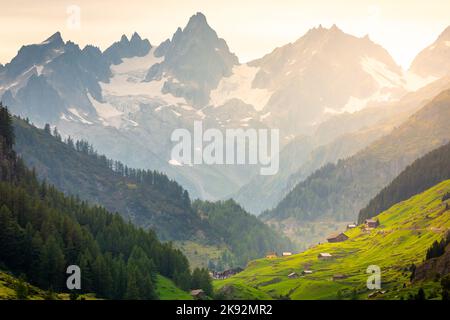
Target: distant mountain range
<point>337,138</point>
<point>337,192</point>
<point>128,99</point>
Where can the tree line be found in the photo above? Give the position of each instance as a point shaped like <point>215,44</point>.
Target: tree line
<point>422,174</point>
<point>138,175</point>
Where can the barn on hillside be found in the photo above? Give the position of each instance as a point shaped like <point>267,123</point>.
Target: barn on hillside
<point>338,237</point>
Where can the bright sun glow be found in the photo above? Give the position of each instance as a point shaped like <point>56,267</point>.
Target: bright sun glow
<point>252,28</point>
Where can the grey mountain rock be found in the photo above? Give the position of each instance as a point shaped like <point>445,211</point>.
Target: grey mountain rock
<point>128,99</point>
<point>135,47</point>
<point>197,58</point>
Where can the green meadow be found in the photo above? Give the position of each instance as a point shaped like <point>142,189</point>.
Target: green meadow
<point>167,290</point>
<point>405,233</point>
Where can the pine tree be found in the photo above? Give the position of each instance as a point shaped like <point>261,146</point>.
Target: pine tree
<point>11,240</point>
<point>445,286</point>
<point>421,294</point>
<point>133,292</point>
<point>141,276</point>
<point>6,127</point>
<point>52,264</point>
<point>21,289</point>
<point>56,134</point>
<point>202,280</point>
<point>47,129</point>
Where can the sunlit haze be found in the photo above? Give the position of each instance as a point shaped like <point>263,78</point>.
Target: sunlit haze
<point>251,28</point>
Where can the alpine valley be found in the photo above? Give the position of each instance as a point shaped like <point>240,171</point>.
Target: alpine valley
<point>87,175</point>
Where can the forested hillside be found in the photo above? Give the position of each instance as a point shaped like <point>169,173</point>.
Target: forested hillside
<point>146,198</point>
<point>422,174</point>
<point>339,191</point>
<point>247,237</point>
<point>42,231</point>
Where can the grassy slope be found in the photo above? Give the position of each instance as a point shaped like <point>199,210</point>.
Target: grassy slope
<point>406,231</point>
<point>8,284</point>
<point>167,290</point>
<point>338,192</point>
<point>7,291</point>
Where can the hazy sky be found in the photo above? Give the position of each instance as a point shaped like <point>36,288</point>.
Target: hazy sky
<point>251,28</point>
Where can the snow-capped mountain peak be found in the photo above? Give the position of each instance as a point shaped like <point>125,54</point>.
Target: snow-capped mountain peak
<point>194,61</point>
<point>129,98</point>
<point>324,71</point>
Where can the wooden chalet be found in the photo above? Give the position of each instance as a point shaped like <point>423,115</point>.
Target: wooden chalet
<point>337,237</point>
<point>324,255</point>
<point>372,223</point>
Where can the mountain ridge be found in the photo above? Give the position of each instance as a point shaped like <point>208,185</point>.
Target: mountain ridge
<point>433,60</point>
<point>339,191</point>
<point>128,99</point>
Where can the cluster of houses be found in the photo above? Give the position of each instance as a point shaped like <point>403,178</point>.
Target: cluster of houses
<point>334,238</point>
<point>339,237</point>
<point>225,274</point>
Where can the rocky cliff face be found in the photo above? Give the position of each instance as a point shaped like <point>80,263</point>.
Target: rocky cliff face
<point>194,61</point>
<point>135,47</point>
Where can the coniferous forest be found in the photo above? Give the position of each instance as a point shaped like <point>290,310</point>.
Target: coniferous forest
<point>147,198</point>
<point>422,174</point>
<point>42,232</point>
